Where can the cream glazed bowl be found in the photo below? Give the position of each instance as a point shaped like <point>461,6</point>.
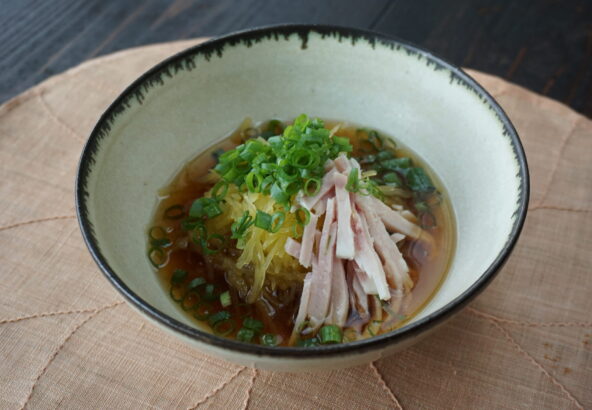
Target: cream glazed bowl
<point>196,97</point>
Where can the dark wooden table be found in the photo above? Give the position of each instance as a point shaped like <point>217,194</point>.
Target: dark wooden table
<point>544,45</point>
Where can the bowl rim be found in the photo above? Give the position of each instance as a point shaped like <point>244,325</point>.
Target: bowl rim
<point>215,45</point>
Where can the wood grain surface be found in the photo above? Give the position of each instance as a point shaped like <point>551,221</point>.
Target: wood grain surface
<point>543,45</point>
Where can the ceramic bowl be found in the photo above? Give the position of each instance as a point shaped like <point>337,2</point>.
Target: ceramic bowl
<point>188,101</point>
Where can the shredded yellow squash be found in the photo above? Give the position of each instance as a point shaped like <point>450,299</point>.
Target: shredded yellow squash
<point>261,249</point>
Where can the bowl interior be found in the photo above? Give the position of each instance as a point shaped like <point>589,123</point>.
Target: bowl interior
<point>172,114</point>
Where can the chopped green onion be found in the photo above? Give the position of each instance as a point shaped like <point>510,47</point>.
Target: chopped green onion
<point>297,230</point>
<point>331,334</point>
<point>193,299</point>
<point>224,327</point>
<point>221,185</point>
<point>195,283</point>
<point>370,330</point>
<point>153,235</point>
<point>312,342</point>
<point>263,220</point>
<point>160,243</point>
<point>225,300</point>
<point>213,210</point>
<point>254,182</point>
<point>253,324</point>
<point>172,292</point>
<point>218,316</point>
<point>299,219</point>
<point>279,194</point>
<point>245,335</point>
<point>353,182</point>
<point>314,189</point>
<point>189,224</point>
<point>282,165</point>
<point>157,257</point>
<point>269,339</point>
<point>205,207</point>
<point>179,276</point>
<point>220,241</point>
<point>202,311</point>
<point>277,220</point>
<point>239,227</point>
<point>209,292</point>
<point>174,212</point>
<point>199,234</point>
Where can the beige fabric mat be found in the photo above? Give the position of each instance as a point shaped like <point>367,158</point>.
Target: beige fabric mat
<point>67,340</point>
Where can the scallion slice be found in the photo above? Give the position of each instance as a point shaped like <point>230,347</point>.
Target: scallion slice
<point>353,181</point>
<point>202,311</point>
<point>253,324</point>
<point>179,276</point>
<point>245,335</point>
<point>254,181</point>
<point>219,190</point>
<point>331,334</point>
<point>157,257</point>
<point>312,186</point>
<point>302,220</point>
<point>218,316</point>
<point>195,283</point>
<point>263,220</point>
<point>269,339</point>
<point>190,300</point>
<point>224,327</point>
<point>225,299</point>
<point>209,294</point>
<point>277,220</point>
<point>174,212</point>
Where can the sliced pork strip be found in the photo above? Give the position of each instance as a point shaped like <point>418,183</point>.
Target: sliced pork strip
<point>320,295</point>
<point>293,248</point>
<point>308,237</point>
<point>321,206</point>
<point>345,234</point>
<point>342,164</point>
<point>327,185</point>
<point>397,237</point>
<point>367,259</point>
<point>407,214</point>
<point>303,307</point>
<point>392,219</point>
<point>394,264</point>
<point>339,295</point>
<point>358,299</point>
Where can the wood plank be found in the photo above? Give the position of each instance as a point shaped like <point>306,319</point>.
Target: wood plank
<point>545,46</point>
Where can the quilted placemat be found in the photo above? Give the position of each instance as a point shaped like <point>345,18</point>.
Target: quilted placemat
<point>67,339</point>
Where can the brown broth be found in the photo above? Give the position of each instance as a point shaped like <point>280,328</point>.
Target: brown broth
<point>277,311</point>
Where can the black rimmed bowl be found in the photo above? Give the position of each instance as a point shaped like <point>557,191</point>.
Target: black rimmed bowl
<point>188,101</point>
